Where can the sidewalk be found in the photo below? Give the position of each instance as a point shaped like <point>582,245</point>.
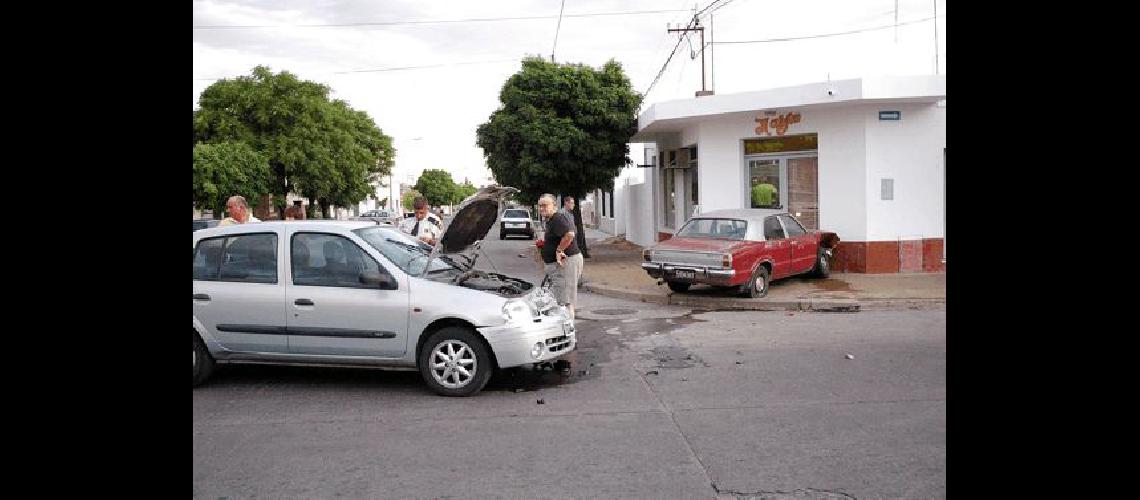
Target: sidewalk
<point>614,269</point>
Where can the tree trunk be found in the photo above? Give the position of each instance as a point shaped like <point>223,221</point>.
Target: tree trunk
<point>283,186</point>
<point>578,229</point>
<point>313,208</point>
<point>325,208</point>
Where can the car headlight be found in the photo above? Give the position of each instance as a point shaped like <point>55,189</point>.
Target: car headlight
<point>536,351</point>
<point>517,310</point>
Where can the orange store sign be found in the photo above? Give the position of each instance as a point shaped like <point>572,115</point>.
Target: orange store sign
<point>765,125</point>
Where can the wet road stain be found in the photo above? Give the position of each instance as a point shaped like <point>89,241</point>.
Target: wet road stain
<point>597,341</point>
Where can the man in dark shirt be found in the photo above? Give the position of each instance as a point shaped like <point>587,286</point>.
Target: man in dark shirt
<point>563,262</point>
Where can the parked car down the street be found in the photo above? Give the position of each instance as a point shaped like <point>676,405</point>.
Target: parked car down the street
<point>744,249</point>
<point>357,294</point>
<point>516,221</point>
<point>205,223</point>
<point>379,216</point>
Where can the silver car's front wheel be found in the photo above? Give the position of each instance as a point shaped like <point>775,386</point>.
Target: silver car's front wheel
<point>455,362</point>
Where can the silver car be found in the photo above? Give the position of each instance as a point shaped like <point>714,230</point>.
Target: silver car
<point>379,217</point>
<point>356,294</point>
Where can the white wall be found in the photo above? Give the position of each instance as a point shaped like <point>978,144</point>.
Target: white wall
<point>638,211</point>
<point>910,152</point>
<point>841,165</point>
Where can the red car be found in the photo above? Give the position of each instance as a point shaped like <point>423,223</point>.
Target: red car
<point>744,248</point>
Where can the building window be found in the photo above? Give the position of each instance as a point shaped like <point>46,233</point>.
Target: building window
<point>694,201</point>
<point>611,203</point>
<point>668,188</point>
<point>764,183</point>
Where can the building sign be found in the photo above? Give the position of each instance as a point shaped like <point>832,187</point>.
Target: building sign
<point>791,143</point>
<point>890,115</point>
<point>779,124</point>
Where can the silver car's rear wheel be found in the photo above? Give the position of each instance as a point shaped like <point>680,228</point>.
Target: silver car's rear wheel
<point>203,362</point>
<point>454,361</point>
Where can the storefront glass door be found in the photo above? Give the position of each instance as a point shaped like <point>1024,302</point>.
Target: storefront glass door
<point>766,185</point>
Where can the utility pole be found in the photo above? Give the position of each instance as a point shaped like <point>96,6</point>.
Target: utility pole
<point>936,37</point>
<point>697,27</point>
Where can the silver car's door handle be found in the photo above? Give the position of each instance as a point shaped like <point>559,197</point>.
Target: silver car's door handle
<point>303,302</point>
<point>201,296</point>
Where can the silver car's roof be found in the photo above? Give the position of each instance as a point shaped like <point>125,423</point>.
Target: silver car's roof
<point>316,224</point>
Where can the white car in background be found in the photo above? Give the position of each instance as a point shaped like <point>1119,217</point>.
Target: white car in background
<point>358,294</point>
<point>516,221</point>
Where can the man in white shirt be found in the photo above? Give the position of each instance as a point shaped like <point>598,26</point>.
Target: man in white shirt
<point>239,212</point>
<point>424,226</point>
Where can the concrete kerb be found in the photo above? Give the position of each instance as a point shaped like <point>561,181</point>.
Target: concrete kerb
<point>729,303</point>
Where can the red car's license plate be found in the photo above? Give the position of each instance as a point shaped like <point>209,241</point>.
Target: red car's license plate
<point>685,275</point>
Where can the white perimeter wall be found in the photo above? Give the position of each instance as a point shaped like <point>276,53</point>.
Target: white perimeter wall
<point>910,152</point>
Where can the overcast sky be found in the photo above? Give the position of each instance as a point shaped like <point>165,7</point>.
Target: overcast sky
<point>431,113</point>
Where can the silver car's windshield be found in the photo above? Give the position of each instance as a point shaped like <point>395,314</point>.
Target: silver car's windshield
<point>407,253</point>
<point>733,229</point>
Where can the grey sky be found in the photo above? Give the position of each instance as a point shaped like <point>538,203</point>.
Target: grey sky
<point>432,113</point>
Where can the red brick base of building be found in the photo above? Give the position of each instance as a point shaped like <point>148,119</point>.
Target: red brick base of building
<point>923,255</point>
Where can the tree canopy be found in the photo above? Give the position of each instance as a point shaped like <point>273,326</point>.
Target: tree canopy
<point>226,169</point>
<point>438,187</point>
<point>408,197</point>
<point>314,146</point>
<point>560,128</point>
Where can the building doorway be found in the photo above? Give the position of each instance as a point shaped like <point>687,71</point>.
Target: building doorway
<point>803,190</point>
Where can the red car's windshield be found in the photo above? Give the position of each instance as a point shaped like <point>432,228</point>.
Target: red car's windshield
<point>732,229</point>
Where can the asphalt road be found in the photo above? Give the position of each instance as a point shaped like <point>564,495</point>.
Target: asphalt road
<point>661,402</point>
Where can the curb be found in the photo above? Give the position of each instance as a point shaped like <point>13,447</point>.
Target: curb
<point>728,303</point>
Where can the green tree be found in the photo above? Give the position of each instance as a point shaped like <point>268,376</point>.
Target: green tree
<point>315,147</point>
<point>437,186</point>
<point>562,129</point>
<point>225,169</point>
<point>464,190</point>
<point>409,197</point>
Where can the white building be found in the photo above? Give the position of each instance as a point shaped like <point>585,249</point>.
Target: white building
<point>864,158</point>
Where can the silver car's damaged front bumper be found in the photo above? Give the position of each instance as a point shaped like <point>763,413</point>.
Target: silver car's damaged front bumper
<point>515,344</point>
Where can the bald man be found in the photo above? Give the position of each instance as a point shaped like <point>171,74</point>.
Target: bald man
<point>239,212</point>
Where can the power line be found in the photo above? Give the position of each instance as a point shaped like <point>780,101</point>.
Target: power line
<point>692,22</point>
<point>556,30</point>
<point>444,21</point>
<point>828,34</point>
<point>398,68</point>
<point>661,43</point>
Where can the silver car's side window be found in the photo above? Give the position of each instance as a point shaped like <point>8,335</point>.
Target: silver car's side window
<point>250,258</point>
<point>208,258</point>
<point>772,229</point>
<point>320,259</point>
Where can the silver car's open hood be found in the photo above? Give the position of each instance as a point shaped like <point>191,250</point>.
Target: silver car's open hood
<point>473,219</point>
